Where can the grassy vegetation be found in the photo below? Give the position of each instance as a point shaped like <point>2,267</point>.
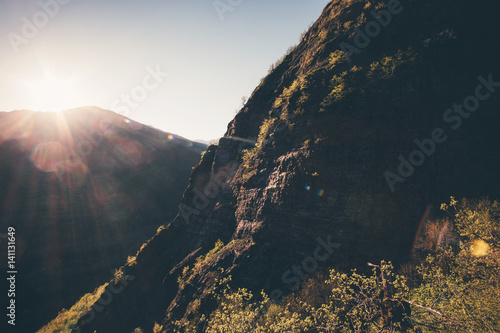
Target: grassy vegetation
<point>67,319</point>
<point>201,260</point>
<point>249,155</point>
<point>387,66</point>
<point>287,93</point>
<point>188,273</point>
<point>182,279</point>
<point>336,58</point>
<point>339,89</point>
<point>157,328</point>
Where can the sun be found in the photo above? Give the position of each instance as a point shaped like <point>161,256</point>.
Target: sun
<point>53,94</point>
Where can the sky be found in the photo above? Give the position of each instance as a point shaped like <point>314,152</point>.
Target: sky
<point>181,66</point>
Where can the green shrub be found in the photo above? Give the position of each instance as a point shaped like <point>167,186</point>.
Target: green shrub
<point>385,68</point>
<point>157,328</point>
<point>287,93</point>
<point>210,254</point>
<point>339,90</point>
<point>336,58</point>
<point>250,154</point>
<point>182,279</point>
<point>463,285</point>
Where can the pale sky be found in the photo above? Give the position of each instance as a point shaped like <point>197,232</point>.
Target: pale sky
<point>183,65</point>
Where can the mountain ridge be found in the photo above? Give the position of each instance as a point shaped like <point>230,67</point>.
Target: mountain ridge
<point>83,188</point>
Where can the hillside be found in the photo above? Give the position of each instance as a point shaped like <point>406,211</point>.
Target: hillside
<point>83,189</point>
<point>349,142</point>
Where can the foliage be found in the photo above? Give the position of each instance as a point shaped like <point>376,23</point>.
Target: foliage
<point>336,58</point>
<point>236,312</point>
<point>348,25</point>
<point>160,229</point>
<point>264,132</point>
<point>339,89</point>
<point>385,68</point>
<point>250,154</point>
<point>476,219</point>
<point>204,258</point>
<point>323,34</point>
<point>463,285</point>
<point>287,93</point>
<point>355,303</point>
<point>182,279</point>
<point>66,320</point>
<point>240,311</point>
<point>361,20</point>
<point>131,260</point>
<point>361,303</point>
<point>120,275</point>
<point>157,328</point>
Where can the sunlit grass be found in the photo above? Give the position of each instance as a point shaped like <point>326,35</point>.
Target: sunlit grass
<point>66,320</point>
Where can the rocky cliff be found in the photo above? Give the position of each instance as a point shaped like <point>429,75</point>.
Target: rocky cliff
<point>384,109</point>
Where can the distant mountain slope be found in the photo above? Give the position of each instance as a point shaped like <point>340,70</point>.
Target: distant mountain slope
<point>383,111</point>
<point>83,189</point>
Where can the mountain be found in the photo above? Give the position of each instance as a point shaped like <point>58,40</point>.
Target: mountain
<point>384,110</point>
<point>83,189</point>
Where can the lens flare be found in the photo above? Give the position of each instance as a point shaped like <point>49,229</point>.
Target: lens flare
<point>46,155</point>
<point>479,248</point>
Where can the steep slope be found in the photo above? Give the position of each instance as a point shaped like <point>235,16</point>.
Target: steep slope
<point>332,162</point>
<point>83,189</point>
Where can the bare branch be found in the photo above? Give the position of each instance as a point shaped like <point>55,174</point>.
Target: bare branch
<point>423,307</point>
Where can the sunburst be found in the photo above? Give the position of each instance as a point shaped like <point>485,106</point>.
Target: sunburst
<point>53,93</point>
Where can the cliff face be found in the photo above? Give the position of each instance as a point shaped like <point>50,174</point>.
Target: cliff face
<point>334,159</point>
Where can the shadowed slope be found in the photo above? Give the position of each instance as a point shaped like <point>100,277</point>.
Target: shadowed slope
<point>83,189</point>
